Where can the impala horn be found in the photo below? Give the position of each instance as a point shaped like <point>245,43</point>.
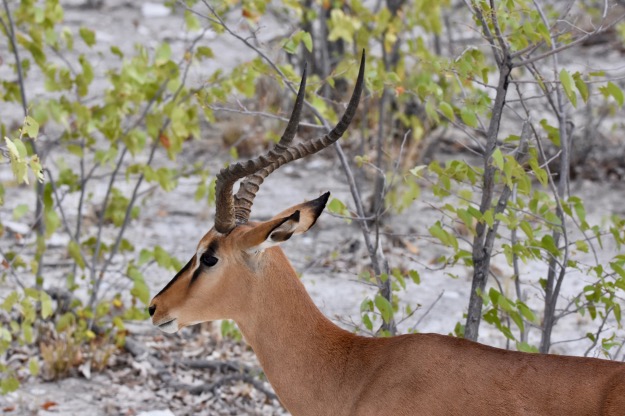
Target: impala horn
<point>230,210</point>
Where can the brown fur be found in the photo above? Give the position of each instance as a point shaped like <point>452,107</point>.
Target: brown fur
<point>317,368</point>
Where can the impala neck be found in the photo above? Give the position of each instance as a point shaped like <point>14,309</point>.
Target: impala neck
<point>300,350</point>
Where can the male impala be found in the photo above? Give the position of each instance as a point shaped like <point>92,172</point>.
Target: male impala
<point>319,369</point>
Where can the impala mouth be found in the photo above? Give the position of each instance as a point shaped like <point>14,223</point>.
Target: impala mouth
<point>169,327</point>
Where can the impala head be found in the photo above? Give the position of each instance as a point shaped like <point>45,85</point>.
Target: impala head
<point>235,253</point>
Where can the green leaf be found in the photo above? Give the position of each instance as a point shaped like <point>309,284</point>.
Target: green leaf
<point>525,347</point>
<point>203,52</point>
<point>492,318</point>
<point>416,171</point>
<point>8,385</point>
<point>447,111</point>
<point>414,275</point>
<point>447,239</point>
<point>11,299</point>
<point>541,174</point>
<point>527,229</point>
<point>384,306</point>
<point>611,89</point>
<point>162,55</point>
<point>74,252</point>
<point>578,206</point>
<point>33,367</point>
<point>468,117</point>
<point>192,21</point>
<point>567,83</point>
<point>145,256</point>
<point>498,158</point>
<point>116,51</point>
<point>27,332</point>
<point>488,217</point>
<point>526,312</point>
<point>543,31</point>
<point>396,272</point>
<point>366,305</point>
<point>31,127</point>
<point>553,133</point>
<point>494,295</point>
<point>430,110</point>
<point>87,35</point>
<point>582,246</point>
<point>549,244</point>
<point>290,45</point>
<point>46,305</point>
<point>162,257</point>
<point>140,289</point>
<point>65,321</point>
<point>337,207</point>
<point>19,211</point>
<point>514,315</point>
<point>13,152</point>
<point>366,321</point>
<point>307,39</point>
<point>618,269</point>
<point>84,80</point>
<point>581,86</point>
<point>342,26</point>
<point>18,165</point>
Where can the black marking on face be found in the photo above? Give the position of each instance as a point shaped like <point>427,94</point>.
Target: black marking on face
<point>210,253</point>
<point>180,273</point>
<point>196,274</point>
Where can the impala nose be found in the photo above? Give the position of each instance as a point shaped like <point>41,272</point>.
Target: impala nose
<point>151,310</point>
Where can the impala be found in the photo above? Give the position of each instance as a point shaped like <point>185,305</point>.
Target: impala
<point>316,368</point>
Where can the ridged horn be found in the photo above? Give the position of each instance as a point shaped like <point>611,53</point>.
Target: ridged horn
<point>244,198</point>
<point>227,177</point>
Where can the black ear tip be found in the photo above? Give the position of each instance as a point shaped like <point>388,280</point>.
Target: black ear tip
<point>319,204</point>
<point>323,199</point>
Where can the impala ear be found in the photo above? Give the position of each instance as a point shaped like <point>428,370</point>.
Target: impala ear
<point>309,212</point>
<point>295,220</point>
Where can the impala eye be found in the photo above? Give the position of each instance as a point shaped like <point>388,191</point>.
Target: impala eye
<point>208,260</point>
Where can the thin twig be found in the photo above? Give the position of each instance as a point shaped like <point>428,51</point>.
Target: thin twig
<point>262,114</point>
<point>10,29</point>
<point>211,387</point>
<point>428,310</point>
<point>598,332</point>
<point>81,198</point>
<point>63,217</point>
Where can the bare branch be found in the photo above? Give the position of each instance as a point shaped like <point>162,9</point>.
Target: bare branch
<point>245,111</point>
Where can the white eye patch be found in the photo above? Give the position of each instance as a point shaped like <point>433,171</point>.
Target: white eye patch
<point>198,254</point>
